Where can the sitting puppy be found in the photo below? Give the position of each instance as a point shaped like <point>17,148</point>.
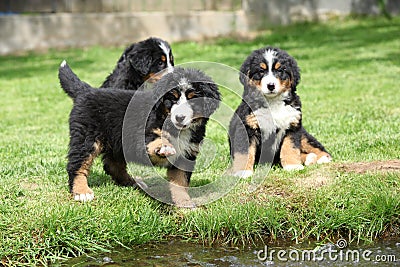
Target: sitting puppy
<point>269,116</point>
<point>162,127</point>
<point>140,62</point>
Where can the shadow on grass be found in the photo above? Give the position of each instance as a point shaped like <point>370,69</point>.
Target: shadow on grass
<point>33,64</point>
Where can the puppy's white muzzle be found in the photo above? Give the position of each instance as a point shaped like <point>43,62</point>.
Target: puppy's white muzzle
<point>181,113</point>
<point>270,85</point>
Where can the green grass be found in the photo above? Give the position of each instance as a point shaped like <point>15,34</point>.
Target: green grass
<point>350,97</point>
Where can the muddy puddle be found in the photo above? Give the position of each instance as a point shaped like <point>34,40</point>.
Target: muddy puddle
<point>178,253</point>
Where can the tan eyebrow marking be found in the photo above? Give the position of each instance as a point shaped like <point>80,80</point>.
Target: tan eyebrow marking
<point>263,65</point>
<point>191,95</point>
<point>163,58</point>
<point>277,65</point>
<point>175,93</point>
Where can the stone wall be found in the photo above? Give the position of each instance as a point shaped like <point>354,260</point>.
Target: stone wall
<point>78,23</point>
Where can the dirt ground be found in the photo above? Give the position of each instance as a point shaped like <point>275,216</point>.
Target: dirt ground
<point>325,174</point>
<point>373,166</point>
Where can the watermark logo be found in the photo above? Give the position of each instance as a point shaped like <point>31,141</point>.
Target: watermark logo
<point>338,252</point>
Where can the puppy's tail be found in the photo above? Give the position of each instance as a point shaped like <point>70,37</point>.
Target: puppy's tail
<point>70,83</point>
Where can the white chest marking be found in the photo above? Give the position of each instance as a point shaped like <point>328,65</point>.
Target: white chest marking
<point>277,117</point>
<point>283,115</point>
<point>265,122</point>
<point>182,145</point>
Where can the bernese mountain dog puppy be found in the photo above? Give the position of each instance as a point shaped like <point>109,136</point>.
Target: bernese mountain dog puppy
<point>267,125</point>
<point>163,126</point>
<point>140,62</point>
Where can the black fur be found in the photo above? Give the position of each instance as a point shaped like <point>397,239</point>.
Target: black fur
<point>138,63</point>
<point>97,123</point>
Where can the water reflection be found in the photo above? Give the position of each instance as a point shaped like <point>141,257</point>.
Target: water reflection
<point>178,253</point>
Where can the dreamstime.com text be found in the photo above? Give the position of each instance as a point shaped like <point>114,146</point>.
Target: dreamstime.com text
<point>334,253</point>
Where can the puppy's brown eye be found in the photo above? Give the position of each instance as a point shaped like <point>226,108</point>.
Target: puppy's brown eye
<point>263,65</point>
<point>161,63</point>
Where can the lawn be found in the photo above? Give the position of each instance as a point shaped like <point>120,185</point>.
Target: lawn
<point>350,97</point>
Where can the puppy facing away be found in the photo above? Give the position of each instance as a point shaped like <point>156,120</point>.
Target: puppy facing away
<point>269,117</point>
<point>140,62</point>
<point>164,127</point>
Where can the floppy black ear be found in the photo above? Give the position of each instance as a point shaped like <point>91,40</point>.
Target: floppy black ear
<point>141,62</point>
<point>124,56</point>
<point>295,72</point>
<point>244,71</point>
<point>212,97</point>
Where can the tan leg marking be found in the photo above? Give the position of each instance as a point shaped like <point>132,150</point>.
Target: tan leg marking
<point>252,121</point>
<point>290,155</point>
<point>243,164</point>
<point>80,189</point>
<point>178,187</point>
<point>307,148</point>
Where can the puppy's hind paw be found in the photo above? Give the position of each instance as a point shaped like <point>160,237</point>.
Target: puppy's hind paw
<point>293,167</point>
<point>140,183</point>
<point>243,173</point>
<point>324,159</point>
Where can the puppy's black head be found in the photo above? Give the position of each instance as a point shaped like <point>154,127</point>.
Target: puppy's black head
<point>147,58</point>
<point>188,96</point>
<point>270,70</point>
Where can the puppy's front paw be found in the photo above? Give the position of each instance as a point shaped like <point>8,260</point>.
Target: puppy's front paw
<point>165,151</point>
<point>82,193</point>
<point>243,173</point>
<point>83,197</point>
<point>293,167</point>
<point>185,203</point>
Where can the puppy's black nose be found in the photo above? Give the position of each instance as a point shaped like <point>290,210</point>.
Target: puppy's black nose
<point>179,118</point>
<point>271,86</point>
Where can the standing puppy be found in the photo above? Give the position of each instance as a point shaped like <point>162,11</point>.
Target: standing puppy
<point>162,127</point>
<point>141,62</point>
<point>267,125</point>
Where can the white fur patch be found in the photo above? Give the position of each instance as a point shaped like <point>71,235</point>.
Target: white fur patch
<point>265,122</point>
<point>63,64</point>
<point>324,159</point>
<point>293,167</point>
<point>181,109</point>
<point>310,159</point>
<point>269,56</point>
<point>166,51</point>
<point>182,144</point>
<point>282,114</point>
<point>243,173</point>
<point>184,84</point>
<point>167,151</point>
<point>84,197</point>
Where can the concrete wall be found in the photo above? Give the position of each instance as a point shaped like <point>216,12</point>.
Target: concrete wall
<point>77,29</point>
<point>91,6</point>
<point>20,33</point>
